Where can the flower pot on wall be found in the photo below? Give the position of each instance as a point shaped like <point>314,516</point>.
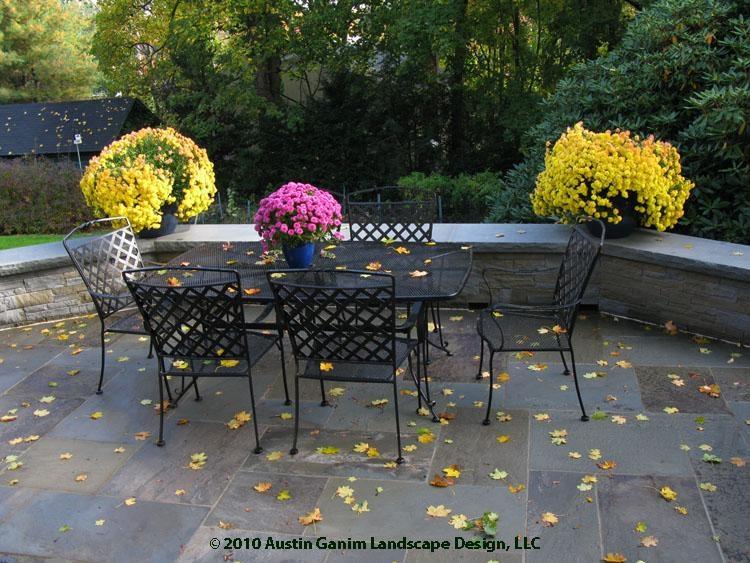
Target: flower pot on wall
<point>167,226</point>
<point>300,256</point>
<point>617,230</point>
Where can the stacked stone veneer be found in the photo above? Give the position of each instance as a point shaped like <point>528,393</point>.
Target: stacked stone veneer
<point>700,294</point>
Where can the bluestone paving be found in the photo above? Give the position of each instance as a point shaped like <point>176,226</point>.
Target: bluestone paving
<point>178,510</point>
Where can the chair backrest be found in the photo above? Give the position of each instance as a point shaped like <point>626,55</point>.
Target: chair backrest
<point>101,260</point>
<point>191,313</point>
<point>337,316</point>
<point>381,213</point>
<point>576,268</point>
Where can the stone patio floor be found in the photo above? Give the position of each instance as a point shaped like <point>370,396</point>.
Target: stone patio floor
<point>118,497</point>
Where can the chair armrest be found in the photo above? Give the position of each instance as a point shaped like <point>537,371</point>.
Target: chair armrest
<point>411,320</point>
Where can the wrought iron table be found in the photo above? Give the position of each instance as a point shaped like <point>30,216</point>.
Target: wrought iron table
<point>447,265</point>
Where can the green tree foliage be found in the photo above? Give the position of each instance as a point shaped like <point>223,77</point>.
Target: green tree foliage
<point>44,51</point>
<point>348,93</point>
<point>680,73</point>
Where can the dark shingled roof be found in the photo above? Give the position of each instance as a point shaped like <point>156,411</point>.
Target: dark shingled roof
<point>49,128</point>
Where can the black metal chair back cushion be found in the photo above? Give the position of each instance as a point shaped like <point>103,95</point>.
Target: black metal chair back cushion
<point>101,261</point>
<point>575,271</point>
<point>202,318</point>
<point>337,316</point>
<point>375,215</point>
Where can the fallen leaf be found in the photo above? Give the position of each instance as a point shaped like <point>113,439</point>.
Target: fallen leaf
<point>274,456</point>
<point>498,475</point>
<point>283,495</point>
<point>549,519</point>
<point>326,366</point>
<point>130,501</point>
<point>614,558</point>
<point>99,522</point>
<point>66,456</point>
<point>311,517</point>
<point>439,511</point>
<point>229,363</point>
<point>81,478</point>
<point>710,487</point>
<point>737,461</point>
<point>142,435</point>
<point>649,541</point>
<point>418,273</point>
<point>667,493</point>
<point>96,415</point>
<point>251,290</point>
<point>197,461</point>
<point>459,521</point>
<point>327,450</point>
<point>173,282</point>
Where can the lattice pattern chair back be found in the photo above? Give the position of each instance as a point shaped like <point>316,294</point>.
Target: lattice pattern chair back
<point>575,271</point>
<point>379,214</point>
<point>337,316</point>
<point>101,261</point>
<point>202,318</point>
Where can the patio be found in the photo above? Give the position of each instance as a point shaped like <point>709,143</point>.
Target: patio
<point>82,478</point>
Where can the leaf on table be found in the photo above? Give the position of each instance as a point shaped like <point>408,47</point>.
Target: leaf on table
<point>373,266</point>
<point>173,282</point>
<point>41,413</point>
<point>402,250</point>
<point>251,290</point>
<point>418,273</point>
<point>326,366</point>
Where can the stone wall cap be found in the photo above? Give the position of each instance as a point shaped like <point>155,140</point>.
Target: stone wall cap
<point>707,256</point>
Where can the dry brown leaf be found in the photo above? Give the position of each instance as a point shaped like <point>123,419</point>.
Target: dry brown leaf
<point>441,482</point>
<point>549,519</point>
<point>311,517</point>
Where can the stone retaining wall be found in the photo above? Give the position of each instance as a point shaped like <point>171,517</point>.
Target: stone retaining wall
<point>653,277</point>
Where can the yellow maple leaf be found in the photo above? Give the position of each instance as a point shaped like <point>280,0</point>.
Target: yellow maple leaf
<point>326,366</point>
<point>459,521</point>
<point>667,493</point>
<point>81,478</point>
<point>197,461</point>
<point>418,274</point>
<point>130,501</point>
<point>649,541</point>
<point>373,266</point>
<point>173,282</point>
<point>503,439</point>
<point>426,438</point>
<point>439,511</point>
<point>66,456</point>
<point>283,495</point>
<point>179,492</point>
<point>274,456</point>
<point>402,250</point>
<point>452,471</point>
<point>328,450</point>
<point>229,363</point>
<point>614,558</point>
<point>517,488</point>
<point>549,519</point>
<point>96,415</point>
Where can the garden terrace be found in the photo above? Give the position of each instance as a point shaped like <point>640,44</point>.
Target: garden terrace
<point>70,498</point>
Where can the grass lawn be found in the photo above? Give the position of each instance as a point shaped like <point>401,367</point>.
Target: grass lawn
<point>14,241</point>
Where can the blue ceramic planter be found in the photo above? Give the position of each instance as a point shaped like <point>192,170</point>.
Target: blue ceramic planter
<point>301,256</point>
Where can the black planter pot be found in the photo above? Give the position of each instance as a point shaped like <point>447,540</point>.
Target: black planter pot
<point>617,230</point>
<point>168,225</point>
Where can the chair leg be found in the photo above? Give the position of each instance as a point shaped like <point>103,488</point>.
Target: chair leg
<point>101,372</point>
<point>439,326</point>
<point>324,401</point>
<point>257,449</point>
<point>419,383</point>
<point>150,348</point>
<point>169,390</point>
<point>400,458</point>
<point>486,420</point>
<point>198,397</point>
<point>481,359</point>
<point>160,443</point>
<point>294,450</point>
<point>565,365</point>
<point>280,343</point>
<point>584,416</point>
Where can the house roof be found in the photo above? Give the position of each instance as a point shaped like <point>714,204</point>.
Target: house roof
<point>49,128</point>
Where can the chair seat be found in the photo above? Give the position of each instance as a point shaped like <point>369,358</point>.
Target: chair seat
<point>258,345</point>
<point>517,330</point>
<point>356,371</point>
<point>129,321</point>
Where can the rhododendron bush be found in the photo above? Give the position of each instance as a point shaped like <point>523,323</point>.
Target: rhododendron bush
<point>297,213</point>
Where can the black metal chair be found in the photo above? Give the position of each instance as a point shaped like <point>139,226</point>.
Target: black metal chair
<point>342,326</point>
<point>506,327</point>
<point>197,322</point>
<point>382,214</point>
<point>100,262</point>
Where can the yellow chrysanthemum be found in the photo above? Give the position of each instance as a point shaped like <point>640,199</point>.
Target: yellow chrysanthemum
<point>586,173</point>
<point>144,171</point>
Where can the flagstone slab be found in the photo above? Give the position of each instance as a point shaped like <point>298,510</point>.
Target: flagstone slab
<point>53,379</point>
<point>550,389</point>
<point>199,550</point>
<point>463,365</point>
<point>399,510</point>
<point>243,507</point>
<point>123,415</point>
<point>155,473</point>
<point>146,531</point>
<point>728,504</point>
<point>626,500</point>
<point>741,412</point>
<point>476,450</point>
<point>27,424</point>
<point>638,448</point>
<point>734,383</point>
<point>465,555</point>
<point>680,350</point>
<point>345,462</point>
<point>659,391</point>
<point>93,463</point>
<point>575,537</point>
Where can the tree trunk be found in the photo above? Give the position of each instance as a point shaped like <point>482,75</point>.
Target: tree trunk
<point>456,125</point>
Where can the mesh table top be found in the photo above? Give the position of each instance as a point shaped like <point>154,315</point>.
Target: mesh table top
<point>447,265</point>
